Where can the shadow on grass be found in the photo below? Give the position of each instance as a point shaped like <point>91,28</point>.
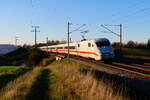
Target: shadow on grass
<point>133,88</point>
<point>40,89</point>
<point>4,79</point>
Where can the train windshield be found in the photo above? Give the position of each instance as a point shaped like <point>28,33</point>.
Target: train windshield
<point>103,43</point>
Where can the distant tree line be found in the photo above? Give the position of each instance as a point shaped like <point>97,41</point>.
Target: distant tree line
<point>51,42</point>
<point>132,44</point>
<point>116,45</point>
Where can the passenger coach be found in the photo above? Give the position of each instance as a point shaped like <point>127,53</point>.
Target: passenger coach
<point>97,49</point>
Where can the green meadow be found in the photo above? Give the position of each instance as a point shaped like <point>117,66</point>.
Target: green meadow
<point>9,73</point>
<point>135,53</point>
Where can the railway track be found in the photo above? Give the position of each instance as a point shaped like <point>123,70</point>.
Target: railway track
<point>137,69</point>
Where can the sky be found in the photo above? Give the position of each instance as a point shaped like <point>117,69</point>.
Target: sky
<point>17,17</point>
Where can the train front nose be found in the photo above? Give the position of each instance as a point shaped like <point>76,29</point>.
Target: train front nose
<point>105,48</point>
<point>106,52</point>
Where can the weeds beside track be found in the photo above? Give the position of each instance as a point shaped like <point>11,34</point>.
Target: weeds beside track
<point>74,83</point>
<point>142,72</point>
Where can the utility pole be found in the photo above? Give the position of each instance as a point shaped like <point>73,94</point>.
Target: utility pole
<point>68,35</point>
<point>16,39</point>
<point>47,43</point>
<point>121,39</point>
<point>68,40</point>
<point>35,30</point>
<point>119,35</point>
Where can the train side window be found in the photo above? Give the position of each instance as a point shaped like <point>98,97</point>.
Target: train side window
<point>92,45</point>
<point>59,47</point>
<point>78,45</point>
<point>89,44</point>
<point>66,47</point>
<point>103,43</point>
<point>72,47</point>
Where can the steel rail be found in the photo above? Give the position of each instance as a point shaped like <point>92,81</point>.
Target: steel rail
<point>143,66</point>
<point>118,68</point>
<point>127,70</point>
<point>133,67</point>
<point>147,64</point>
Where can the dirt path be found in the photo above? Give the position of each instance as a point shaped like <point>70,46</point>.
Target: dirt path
<point>40,88</point>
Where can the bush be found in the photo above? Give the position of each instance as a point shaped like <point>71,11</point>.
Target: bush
<point>52,58</point>
<point>35,57</point>
<point>131,44</point>
<point>45,62</point>
<point>148,44</point>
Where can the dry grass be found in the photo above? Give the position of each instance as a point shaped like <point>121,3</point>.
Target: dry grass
<point>61,82</point>
<point>18,89</point>
<point>74,85</point>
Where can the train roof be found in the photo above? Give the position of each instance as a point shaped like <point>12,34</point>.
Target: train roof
<point>73,44</point>
<point>96,40</point>
<point>100,39</point>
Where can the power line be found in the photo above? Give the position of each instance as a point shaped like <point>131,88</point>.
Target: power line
<point>134,13</point>
<point>16,39</point>
<point>110,30</point>
<point>119,35</point>
<point>84,32</point>
<point>139,11</point>
<point>47,43</point>
<point>78,28</point>
<point>35,31</point>
<point>32,12</point>
<point>31,2</point>
<point>129,7</point>
<point>68,35</point>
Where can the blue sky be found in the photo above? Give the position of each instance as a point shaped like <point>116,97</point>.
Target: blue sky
<point>17,17</point>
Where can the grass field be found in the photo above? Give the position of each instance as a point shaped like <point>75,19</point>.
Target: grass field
<point>134,53</point>
<point>5,69</point>
<point>62,81</point>
<point>9,73</point>
<point>19,88</point>
<point>58,81</point>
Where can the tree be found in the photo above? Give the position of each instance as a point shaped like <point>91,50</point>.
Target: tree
<point>131,44</point>
<point>148,44</point>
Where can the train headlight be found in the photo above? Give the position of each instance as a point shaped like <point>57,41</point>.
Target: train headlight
<point>111,53</point>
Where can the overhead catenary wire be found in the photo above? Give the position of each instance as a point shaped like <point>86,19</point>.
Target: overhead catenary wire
<point>31,20</point>
<point>118,17</point>
<point>31,2</point>
<point>129,7</point>
<point>139,11</point>
<point>78,28</point>
<point>133,14</point>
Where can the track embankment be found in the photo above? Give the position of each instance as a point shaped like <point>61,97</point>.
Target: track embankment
<point>124,70</point>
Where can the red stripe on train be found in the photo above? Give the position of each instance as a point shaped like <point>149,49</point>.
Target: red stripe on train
<point>84,52</point>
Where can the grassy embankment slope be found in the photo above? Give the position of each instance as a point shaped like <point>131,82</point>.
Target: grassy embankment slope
<point>16,57</point>
<point>8,69</point>
<point>9,73</point>
<point>74,81</point>
<point>19,88</point>
<point>61,81</point>
<point>137,54</point>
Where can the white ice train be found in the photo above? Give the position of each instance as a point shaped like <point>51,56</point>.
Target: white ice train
<point>97,49</point>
